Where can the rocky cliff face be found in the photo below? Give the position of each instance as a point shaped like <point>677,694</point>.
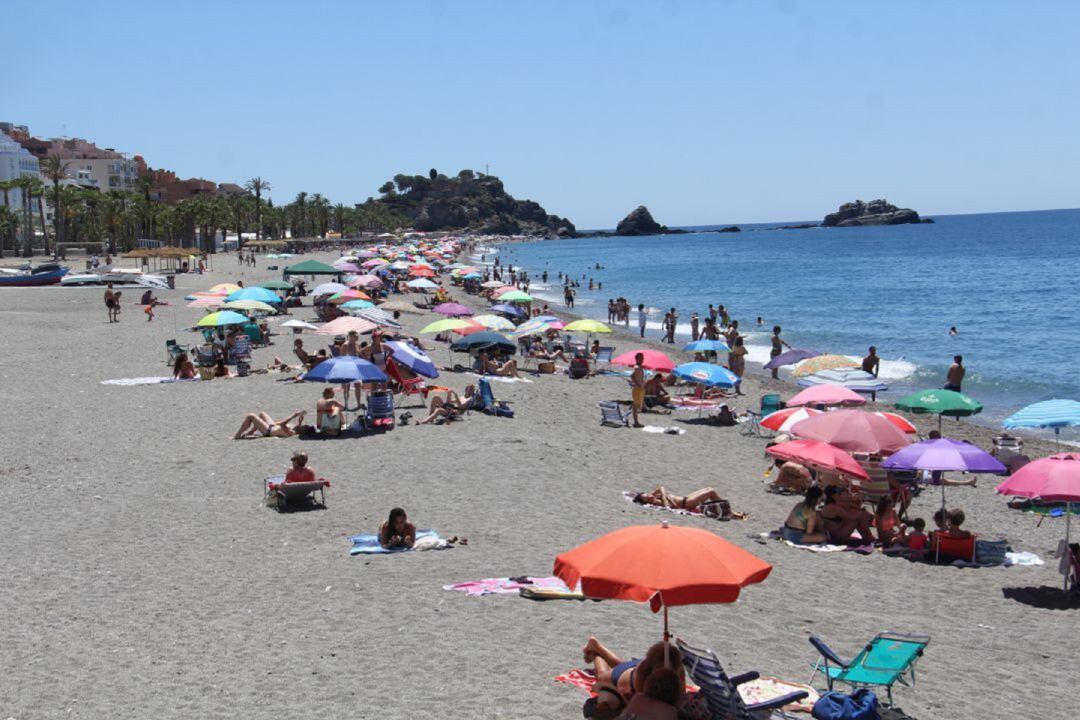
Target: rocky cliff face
<point>639,222</point>
<point>468,201</point>
<point>875,212</point>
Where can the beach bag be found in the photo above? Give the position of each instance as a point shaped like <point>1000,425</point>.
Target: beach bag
<point>545,368</point>
<point>860,705</point>
<point>501,409</point>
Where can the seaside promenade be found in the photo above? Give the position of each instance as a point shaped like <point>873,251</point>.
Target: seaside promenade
<point>143,578</point>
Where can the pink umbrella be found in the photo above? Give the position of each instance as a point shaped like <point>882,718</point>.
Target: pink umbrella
<point>342,326</point>
<point>368,281</point>
<point>854,431</point>
<point>782,420</point>
<point>827,395</point>
<point>823,456</point>
<point>501,291</point>
<point>347,266</point>
<point>654,360</point>
<point>452,309</point>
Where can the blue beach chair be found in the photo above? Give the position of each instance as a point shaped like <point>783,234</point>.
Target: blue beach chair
<point>721,692</point>
<point>770,403</point>
<point>612,414</point>
<point>379,414</point>
<point>887,659</point>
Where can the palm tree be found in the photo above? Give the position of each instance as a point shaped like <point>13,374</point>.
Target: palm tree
<point>320,211</point>
<point>112,209</point>
<point>257,185</point>
<point>54,168</point>
<point>300,218</point>
<point>238,206</point>
<point>340,212</point>
<point>8,222</point>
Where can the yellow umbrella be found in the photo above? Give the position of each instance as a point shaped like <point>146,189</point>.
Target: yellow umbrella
<point>249,305</point>
<point>587,326</point>
<point>223,289</point>
<point>823,362</point>
<point>446,325</point>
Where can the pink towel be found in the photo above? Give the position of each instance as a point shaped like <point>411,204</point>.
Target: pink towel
<point>500,586</point>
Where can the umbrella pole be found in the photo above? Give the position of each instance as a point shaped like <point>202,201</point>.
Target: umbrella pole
<point>667,635</point>
<point>1068,521</point>
<point>937,546</point>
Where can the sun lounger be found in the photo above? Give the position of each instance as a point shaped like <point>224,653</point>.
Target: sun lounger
<point>278,493</point>
<point>721,692</point>
<point>612,414</point>
<point>379,414</point>
<point>887,659</point>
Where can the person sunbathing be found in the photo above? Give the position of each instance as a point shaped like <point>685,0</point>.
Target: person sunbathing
<point>307,360</point>
<point>803,524</point>
<point>220,369</point>
<point>262,425</point>
<point>697,501</point>
<point>183,369</point>
<point>450,407</point>
<point>628,677</point>
<point>300,472</point>
<point>537,350</point>
<point>792,477</point>
<point>397,531</point>
<point>489,366</point>
<point>840,518</point>
<point>658,700</point>
<point>329,413</point>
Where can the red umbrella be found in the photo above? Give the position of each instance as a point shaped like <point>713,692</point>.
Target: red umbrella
<point>421,271</point>
<point>783,420</point>
<point>827,395</point>
<point>899,421</point>
<point>819,455</point>
<point>654,360</point>
<point>854,431</point>
<point>662,565</point>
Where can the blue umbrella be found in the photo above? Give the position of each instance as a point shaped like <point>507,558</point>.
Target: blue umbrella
<point>344,370</point>
<point>507,309</point>
<point>707,346</point>
<point>706,374</point>
<point>357,305</point>
<point>253,293</point>
<point>791,357</point>
<point>1054,414</point>
<point>413,358</point>
<point>471,276</point>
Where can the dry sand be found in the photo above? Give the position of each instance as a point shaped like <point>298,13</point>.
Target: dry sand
<point>142,578</point>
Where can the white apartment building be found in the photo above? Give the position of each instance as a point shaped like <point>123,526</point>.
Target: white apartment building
<point>15,162</point>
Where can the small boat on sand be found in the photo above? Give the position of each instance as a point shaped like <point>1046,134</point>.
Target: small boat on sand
<point>47,274</point>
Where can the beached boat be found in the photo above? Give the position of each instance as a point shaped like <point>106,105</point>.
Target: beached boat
<point>47,274</point>
<point>116,276</point>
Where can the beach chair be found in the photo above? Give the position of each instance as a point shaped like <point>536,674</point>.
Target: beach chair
<point>241,350</point>
<point>752,427</point>
<point>945,547</point>
<point>411,386</point>
<point>278,494</point>
<point>770,403</point>
<point>887,659</point>
<point>721,692</point>
<point>579,367</point>
<point>254,333</point>
<point>604,354</point>
<point>612,414</point>
<point>379,414</point>
<point>173,350</point>
<point>204,356</point>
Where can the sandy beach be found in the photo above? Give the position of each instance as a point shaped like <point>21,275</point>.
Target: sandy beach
<point>144,579</point>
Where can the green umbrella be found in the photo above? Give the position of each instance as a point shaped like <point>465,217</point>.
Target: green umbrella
<point>515,296</point>
<point>276,285</point>
<point>939,402</point>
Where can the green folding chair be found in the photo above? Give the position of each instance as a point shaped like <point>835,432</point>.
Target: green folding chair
<point>887,659</point>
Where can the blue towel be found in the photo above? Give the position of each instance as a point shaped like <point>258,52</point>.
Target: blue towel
<point>369,544</point>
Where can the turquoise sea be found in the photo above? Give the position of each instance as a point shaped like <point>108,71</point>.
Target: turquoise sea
<point>1007,281</point>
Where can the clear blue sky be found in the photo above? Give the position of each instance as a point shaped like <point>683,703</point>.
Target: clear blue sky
<point>707,112</point>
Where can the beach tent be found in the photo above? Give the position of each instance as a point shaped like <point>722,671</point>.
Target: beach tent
<point>312,267</point>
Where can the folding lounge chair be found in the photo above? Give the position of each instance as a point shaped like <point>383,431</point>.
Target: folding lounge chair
<point>721,692</point>
<point>770,403</point>
<point>612,414</point>
<point>241,351</point>
<point>173,351</point>
<point>412,386</point>
<point>278,493</point>
<point>752,427</point>
<point>885,660</point>
<point>380,410</point>
<point>204,357</point>
<point>604,354</point>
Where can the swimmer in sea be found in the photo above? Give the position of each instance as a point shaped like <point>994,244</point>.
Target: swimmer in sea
<point>953,332</point>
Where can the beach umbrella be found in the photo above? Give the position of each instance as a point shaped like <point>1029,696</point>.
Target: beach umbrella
<point>492,284</point>
<point>901,422</point>
<point>348,294</point>
<point>249,306</point>
<point>823,362</point>
<point>416,271</point>
<point>367,281</point>
<point>485,340</point>
<point>530,327</point>
<point>790,357</point>
<point>357,305</point>
<point>254,293</point>
<point>654,360</point>
<point>345,325</point>
<point>413,358</point>
<point>206,301</point>
<point>782,420</point>
<point>276,285</point>
<point>854,379</point>
<point>663,565</point>
<point>554,322</point>
<point>854,431</point>
<point>447,325</point>
<point>819,455</point>
<point>706,374</point>
<point>222,318</point>
<point>516,296</point>
<point>223,288</point>
<point>939,402</point>
<point>506,309</point>
<point>329,288</point>
<point>345,369</point>
<point>375,315</point>
<point>421,284</point>
<point>494,322</point>
<point>402,307</point>
<point>588,326</point>
<point>374,263</point>
<point>452,309</point>
<point>1052,479</point>
<point>716,346</point>
<point>347,266</point>
<point>1054,414</point>
<point>499,292</point>
<point>826,395</point>
<point>298,325</point>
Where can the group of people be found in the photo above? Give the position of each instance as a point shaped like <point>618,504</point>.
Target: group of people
<point>618,310</point>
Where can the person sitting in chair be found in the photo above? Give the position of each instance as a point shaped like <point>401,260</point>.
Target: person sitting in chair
<point>537,350</point>
<point>489,366</point>
<point>329,413</point>
<point>450,407</point>
<point>300,472</point>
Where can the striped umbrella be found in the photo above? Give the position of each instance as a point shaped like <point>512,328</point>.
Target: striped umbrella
<point>850,378</point>
<point>823,362</point>
<point>1054,414</point>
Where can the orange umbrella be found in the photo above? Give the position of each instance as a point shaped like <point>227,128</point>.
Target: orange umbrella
<point>662,565</point>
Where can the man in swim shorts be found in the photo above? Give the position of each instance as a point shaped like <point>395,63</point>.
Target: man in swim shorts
<point>637,387</point>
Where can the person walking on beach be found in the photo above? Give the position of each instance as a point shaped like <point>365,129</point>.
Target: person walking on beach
<point>110,302</point>
<point>712,313</point>
<point>737,361</point>
<point>693,327</point>
<point>672,324</point>
<point>611,310</point>
<point>955,377</point>
<point>568,296</point>
<point>642,318</point>
<point>871,363</point>
<point>778,346</point>
<point>637,388</point>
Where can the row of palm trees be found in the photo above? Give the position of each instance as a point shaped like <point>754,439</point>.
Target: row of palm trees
<point>118,218</point>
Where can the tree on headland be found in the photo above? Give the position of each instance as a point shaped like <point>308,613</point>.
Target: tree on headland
<point>256,185</point>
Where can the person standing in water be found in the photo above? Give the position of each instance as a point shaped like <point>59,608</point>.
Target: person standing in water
<point>871,363</point>
<point>954,378</point>
<point>642,318</point>
<point>778,346</point>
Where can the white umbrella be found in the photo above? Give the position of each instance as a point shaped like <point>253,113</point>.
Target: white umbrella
<point>328,289</point>
<point>492,284</point>
<point>299,325</point>
<point>494,322</point>
<point>422,284</point>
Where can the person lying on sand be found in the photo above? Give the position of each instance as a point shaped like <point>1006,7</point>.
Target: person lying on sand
<point>398,532</point>
<point>628,677</point>
<point>698,501</point>
<point>792,477</point>
<point>840,518</point>
<point>451,406</point>
<point>262,425</point>
<point>803,524</point>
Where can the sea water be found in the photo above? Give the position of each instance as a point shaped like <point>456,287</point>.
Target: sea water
<point>1006,281</point>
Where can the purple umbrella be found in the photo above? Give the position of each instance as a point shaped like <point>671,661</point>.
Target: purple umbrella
<point>507,309</point>
<point>791,357</point>
<point>451,309</point>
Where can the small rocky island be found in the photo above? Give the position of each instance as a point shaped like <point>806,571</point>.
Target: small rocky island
<point>875,212</point>
<point>640,222</point>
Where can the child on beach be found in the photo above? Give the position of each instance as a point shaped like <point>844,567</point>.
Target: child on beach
<point>887,522</point>
<point>916,539</point>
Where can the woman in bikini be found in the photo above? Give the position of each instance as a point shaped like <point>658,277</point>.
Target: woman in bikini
<point>183,369</point>
<point>262,425</point>
<point>840,521</point>
<point>660,497</point>
<point>450,407</point>
<point>628,677</point>
<point>803,522</point>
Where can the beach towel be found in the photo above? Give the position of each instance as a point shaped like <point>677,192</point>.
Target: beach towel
<point>656,429</point>
<point>615,373</point>
<point>821,547</point>
<point>500,378</point>
<point>585,679</point>
<point>767,688</point>
<point>506,586</point>
<point>369,544</point>
<point>126,382</point>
